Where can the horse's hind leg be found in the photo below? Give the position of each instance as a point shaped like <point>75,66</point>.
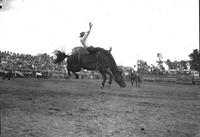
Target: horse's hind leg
<point>76,75</point>
<point>73,71</point>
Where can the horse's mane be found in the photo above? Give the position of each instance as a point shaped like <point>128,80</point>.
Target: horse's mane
<point>109,55</point>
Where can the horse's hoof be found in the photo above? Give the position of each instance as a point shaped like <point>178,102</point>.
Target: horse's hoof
<point>102,87</point>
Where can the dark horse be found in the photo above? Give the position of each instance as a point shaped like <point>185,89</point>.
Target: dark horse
<point>101,61</point>
<point>135,77</point>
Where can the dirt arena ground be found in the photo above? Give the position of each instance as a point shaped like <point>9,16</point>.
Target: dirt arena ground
<point>79,108</point>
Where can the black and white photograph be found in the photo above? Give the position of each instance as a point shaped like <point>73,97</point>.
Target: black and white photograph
<point>99,68</point>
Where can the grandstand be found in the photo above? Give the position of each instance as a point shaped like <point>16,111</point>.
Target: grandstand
<point>28,63</point>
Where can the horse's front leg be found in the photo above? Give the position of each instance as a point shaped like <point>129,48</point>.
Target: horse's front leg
<point>68,71</point>
<point>110,77</point>
<point>104,79</point>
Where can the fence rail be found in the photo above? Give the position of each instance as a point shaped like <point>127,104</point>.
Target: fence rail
<point>157,78</point>
<point>182,79</point>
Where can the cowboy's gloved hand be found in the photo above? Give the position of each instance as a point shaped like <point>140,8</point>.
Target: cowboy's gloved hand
<point>90,24</point>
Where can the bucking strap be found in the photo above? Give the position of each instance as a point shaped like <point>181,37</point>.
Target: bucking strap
<point>97,56</point>
<point>79,56</point>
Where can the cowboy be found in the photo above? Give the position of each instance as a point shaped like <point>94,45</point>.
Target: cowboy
<point>83,37</point>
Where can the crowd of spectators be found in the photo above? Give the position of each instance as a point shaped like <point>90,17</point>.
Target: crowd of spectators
<point>26,62</point>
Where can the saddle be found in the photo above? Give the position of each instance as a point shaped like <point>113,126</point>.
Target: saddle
<point>89,50</point>
<point>83,50</point>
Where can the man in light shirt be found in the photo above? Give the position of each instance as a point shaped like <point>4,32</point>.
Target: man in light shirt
<point>83,38</point>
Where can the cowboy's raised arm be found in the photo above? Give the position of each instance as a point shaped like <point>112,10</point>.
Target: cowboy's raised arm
<point>90,25</point>
<point>88,32</point>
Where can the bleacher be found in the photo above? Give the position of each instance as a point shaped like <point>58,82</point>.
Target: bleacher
<point>27,63</point>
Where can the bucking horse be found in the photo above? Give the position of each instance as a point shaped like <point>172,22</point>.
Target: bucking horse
<point>101,61</point>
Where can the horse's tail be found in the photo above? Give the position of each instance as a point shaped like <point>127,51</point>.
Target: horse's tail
<point>60,56</point>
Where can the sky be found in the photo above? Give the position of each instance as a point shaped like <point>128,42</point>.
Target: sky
<point>135,29</point>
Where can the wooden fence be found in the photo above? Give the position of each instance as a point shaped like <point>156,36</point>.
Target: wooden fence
<point>179,79</point>
<point>157,78</point>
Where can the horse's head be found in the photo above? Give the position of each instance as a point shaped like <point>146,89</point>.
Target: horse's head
<point>119,79</point>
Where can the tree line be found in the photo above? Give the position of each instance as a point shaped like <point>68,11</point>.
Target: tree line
<point>193,63</point>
